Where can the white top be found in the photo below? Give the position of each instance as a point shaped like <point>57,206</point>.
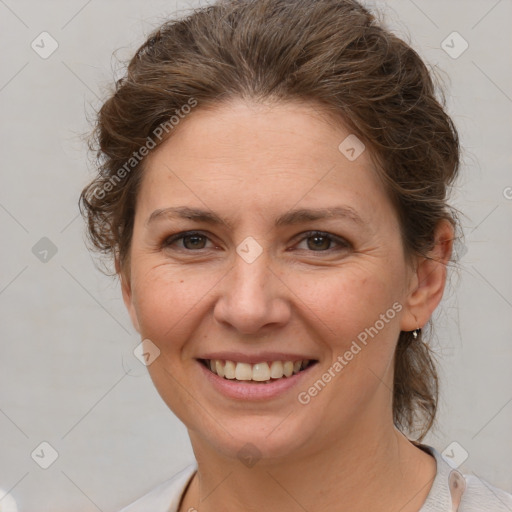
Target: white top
<point>451,492</point>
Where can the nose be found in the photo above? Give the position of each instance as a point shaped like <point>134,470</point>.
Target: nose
<point>253,299</point>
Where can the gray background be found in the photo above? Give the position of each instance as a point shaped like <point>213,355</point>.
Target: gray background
<point>68,374</point>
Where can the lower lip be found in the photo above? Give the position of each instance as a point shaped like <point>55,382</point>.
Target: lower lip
<point>247,390</point>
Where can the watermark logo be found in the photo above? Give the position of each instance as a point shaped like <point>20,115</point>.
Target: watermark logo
<point>352,147</point>
<point>304,397</point>
<point>454,45</point>
<point>44,455</point>
<point>7,502</point>
<point>151,142</point>
<point>44,45</point>
<point>44,250</point>
<point>249,250</point>
<point>146,352</point>
<point>460,249</point>
<point>455,454</point>
<point>249,455</point>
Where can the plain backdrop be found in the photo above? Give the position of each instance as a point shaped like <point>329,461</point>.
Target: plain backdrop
<point>68,374</point>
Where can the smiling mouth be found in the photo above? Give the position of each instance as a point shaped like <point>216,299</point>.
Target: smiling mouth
<point>261,373</point>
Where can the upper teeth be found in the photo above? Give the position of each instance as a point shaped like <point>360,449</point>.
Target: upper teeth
<point>259,371</point>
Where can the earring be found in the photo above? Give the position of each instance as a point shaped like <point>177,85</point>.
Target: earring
<point>416,333</point>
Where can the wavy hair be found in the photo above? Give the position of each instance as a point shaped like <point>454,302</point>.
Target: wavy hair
<point>333,53</point>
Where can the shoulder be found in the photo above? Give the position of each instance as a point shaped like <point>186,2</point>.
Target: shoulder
<point>480,496</point>
<point>166,496</point>
<point>452,490</point>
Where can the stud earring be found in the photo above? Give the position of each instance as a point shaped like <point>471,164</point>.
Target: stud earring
<point>416,333</point>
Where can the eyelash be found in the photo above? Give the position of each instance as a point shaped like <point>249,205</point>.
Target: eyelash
<point>344,244</point>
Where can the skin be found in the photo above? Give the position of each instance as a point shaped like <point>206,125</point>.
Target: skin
<point>250,163</point>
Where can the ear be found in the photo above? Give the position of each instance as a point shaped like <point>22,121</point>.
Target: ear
<point>428,280</point>
<point>126,290</point>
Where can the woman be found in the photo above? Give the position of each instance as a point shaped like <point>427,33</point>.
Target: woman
<point>273,190</point>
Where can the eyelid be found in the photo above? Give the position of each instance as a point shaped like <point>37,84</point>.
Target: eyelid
<point>167,241</point>
<point>342,242</point>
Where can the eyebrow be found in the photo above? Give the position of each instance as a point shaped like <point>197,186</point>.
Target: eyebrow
<point>290,218</point>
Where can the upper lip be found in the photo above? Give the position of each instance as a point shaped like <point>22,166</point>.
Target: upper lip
<point>239,357</point>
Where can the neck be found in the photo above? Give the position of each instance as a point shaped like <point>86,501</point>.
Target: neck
<point>371,468</point>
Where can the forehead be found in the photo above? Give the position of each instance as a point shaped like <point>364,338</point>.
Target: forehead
<point>265,132</point>
<point>260,155</point>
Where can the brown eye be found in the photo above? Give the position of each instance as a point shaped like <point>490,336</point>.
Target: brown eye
<point>319,242</point>
<point>194,241</point>
<point>190,241</point>
<point>322,242</point>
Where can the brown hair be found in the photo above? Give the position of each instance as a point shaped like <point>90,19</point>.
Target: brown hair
<point>331,52</point>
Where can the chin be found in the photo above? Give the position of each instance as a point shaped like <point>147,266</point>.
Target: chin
<point>255,438</point>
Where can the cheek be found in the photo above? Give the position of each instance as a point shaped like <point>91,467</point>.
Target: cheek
<point>355,315</point>
<point>165,300</point>
<point>337,304</point>
<point>346,301</point>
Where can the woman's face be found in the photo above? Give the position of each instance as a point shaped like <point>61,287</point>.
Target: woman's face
<point>252,278</point>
